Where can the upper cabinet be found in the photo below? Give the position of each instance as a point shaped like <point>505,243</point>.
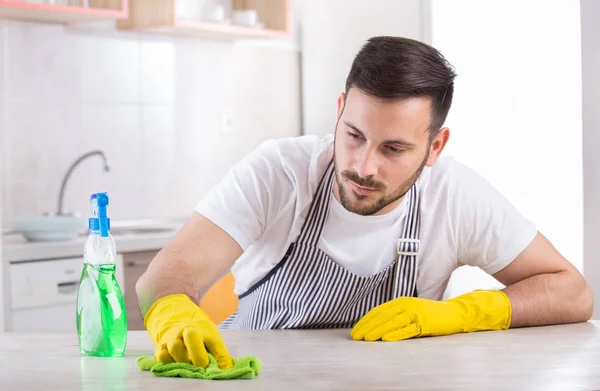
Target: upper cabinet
<point>63,11</point>
<point>219,20</point>
<point>224,19</point>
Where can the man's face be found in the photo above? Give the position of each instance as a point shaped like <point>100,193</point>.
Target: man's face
<point>380,149</point>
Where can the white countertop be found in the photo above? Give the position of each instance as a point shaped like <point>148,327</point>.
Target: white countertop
<point>16,249</point>
<point>561,357</point>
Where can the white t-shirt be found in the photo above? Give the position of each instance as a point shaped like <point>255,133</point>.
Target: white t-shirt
<point>264,199</point>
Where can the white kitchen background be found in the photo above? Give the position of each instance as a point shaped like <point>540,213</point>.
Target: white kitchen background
<point>517,114</point>
<point>171,115</point>
<point>516,117</point>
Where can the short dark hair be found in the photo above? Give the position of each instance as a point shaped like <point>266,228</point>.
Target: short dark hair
<point>398,68</point>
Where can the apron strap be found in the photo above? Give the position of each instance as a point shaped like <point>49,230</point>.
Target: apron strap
<point>408,248</point>
<point>319,210</point>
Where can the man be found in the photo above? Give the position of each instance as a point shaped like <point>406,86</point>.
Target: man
<point>361,229</point>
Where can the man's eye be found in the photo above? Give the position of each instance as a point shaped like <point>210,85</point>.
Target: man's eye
<point>353,135</point>
<point>395,149</point>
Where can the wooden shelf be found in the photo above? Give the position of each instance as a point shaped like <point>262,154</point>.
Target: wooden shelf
<point>50,13</point>
<point>159,16</point>
<point>218,31</point>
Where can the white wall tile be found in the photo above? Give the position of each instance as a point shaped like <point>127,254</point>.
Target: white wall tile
<point>200,145</point>
<point>265,104</point>
<point>155,108</point>
<point>116,131</point>
<point>3,140</point>
<point>161,197</point>
<point>41,139</point>
<point>158,145</point>
<point>125,194</point>
<point>6,210</point>
<point>4,199</point>
<point>110,70</point>
<point>157,67</point>
<point>24,199</point>
<point>43,63</point>
<point>201,70</point>
<point>3,81</point>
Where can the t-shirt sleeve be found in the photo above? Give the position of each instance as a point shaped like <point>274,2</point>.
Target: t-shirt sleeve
<point>249,196</point>
<point>490,231</point>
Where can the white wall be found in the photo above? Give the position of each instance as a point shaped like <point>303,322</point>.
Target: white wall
<point>516,117</point>
<point>590,47</point>
<point>2,138</point>
<point>331,34</point>
<point>155,107</point>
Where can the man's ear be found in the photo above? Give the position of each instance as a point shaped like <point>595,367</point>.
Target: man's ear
<point>437,146</point>
<point>341,101</point>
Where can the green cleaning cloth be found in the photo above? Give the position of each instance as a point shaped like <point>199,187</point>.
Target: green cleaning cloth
<point>243,368</point>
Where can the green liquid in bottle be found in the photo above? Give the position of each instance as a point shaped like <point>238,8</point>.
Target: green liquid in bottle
<point>101,314</point>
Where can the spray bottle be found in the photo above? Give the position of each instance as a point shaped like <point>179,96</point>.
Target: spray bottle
<point>101,312</point>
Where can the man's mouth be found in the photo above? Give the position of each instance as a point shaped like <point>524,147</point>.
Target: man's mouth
<point>360,190</point>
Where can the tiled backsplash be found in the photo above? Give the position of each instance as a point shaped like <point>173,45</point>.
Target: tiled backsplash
<point>157,108</point>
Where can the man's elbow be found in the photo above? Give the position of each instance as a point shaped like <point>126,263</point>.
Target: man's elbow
<point>140,285</point>
<point>583,302</point>
<point>141,291</point>
<point>587,302</point>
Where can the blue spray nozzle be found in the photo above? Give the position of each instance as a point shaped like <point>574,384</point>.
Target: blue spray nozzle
<point>100,221</point>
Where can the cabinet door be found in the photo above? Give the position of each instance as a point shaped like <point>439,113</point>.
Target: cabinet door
<point>51,319</point>
<point>135,264</point>
<point>43,294</point>
<point>44,283</point>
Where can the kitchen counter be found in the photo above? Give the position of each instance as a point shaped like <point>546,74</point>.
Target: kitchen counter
<point>40,279</point>
<point>15,248</point>
<point>129,235</point>
<point>555,357</point>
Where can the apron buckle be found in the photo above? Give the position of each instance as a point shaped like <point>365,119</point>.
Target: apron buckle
<point>403,245</point>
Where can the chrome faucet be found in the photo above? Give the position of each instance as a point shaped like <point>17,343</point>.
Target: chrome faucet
<point>70,170</point>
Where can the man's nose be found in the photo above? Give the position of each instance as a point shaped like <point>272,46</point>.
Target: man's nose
<point>367,163</point>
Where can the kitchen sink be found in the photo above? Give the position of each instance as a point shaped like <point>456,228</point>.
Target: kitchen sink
<point>64,228</point>
<point>141,230</point>
<point>146,226</point>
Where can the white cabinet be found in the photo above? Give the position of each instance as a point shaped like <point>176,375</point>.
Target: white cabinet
<point>54,318</point>
<point>43,294</point>
<point>44,283</point>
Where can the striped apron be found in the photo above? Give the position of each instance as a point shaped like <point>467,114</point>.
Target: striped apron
<point>307,289</point>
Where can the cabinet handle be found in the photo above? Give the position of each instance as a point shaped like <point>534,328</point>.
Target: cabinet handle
<point>136,264</point>
<point>68,287</point>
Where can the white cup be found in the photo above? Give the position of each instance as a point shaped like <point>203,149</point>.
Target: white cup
<point>245,17</point>
<point>214,13</point>
<point>187,9</point>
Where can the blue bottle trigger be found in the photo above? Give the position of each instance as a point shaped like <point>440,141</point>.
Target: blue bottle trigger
<point>100,222</point>
<point>102,199</point>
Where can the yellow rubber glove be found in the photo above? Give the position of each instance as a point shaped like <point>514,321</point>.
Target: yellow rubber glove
<point>182,332</point>
<point>409,317</point>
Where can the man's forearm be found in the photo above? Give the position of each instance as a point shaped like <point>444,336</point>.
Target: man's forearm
<point>168,274</point>
<point>553,298</point>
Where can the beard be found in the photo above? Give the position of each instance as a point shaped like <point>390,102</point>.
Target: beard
<point>367,209</point>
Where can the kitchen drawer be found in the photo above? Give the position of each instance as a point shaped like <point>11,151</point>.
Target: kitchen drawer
<point>59,318</point>
<point>44,283</point>
<point>48,282</point>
